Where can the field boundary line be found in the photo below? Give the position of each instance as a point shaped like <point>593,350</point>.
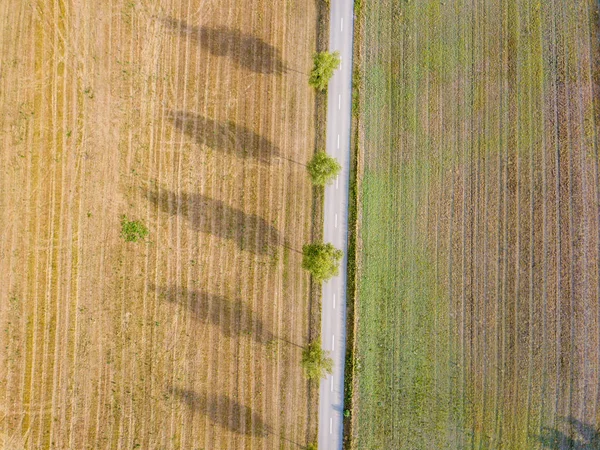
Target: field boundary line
<point>353,268</point>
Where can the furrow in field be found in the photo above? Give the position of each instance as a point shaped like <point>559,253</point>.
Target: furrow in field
<point>464,163</point>
<point>500,224</point>
<point>218,218</point>
<point>98,336</point>
<point>270,242</point>
<point>570,208</point>
<point>207,182</point>
<point>31,419</point>
<point>222,407</point>
<point>594,52</point>
<point>568,307</point>
<point>434,124</point>
<point>255,375</point>
<point>262,208</point>
<point>274,317</point>
<point>237,327</point>
<point>482,419</point>
<point>538,224</point>
<point>583,226</point>
<point>592,141</point>
<point>186,364</point>
<point>474,383</point>
<point>15,41</point>
<point>515,187</point>
<point>542,120</point>
<point>452,321</point>
<point>584,229</point>
<point>555,246</point>
<point>245,350</point>
<point>120,389</point>
<point>64,219</point>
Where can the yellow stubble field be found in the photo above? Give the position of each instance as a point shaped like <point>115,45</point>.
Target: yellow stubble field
<point>196,118</point>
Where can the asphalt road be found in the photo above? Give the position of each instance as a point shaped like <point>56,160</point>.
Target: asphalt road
<point>333,325</point>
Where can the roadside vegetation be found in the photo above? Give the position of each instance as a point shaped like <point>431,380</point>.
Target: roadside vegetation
<point>316,362</point>
<point>321,260</point>
<point>478,256</point>
<point>324,65</point>
<point>323,168</point>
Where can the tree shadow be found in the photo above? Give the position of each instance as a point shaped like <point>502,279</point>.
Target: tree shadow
<point>207,215</point>
<point>242,417</point>
<point>247,51</point>
<point>239,418</point>
<point>571,434</point>
<point>225,137</point>
<point>217,310</point>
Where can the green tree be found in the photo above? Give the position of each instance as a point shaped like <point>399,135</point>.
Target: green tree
<point>321,260</point>
<point>312,446</point>
<point>323,168</point>
<point>324,65</point>
<point>316,361</point>
<point>133,230</point>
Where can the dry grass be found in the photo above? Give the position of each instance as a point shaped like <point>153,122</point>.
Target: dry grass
<point>194,117</point>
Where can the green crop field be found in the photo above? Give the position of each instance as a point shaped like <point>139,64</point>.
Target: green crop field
<point>478,286</point>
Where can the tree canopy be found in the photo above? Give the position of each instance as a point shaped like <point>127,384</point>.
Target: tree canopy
<point>324,65</point>
<point>323,168</point>
<point>321,260</point>
<point>316,361</point>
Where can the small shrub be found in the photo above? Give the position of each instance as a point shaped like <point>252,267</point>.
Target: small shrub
<point>133,230</point>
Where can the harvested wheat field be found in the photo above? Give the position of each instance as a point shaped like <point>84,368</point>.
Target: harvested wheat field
<point>478,307</point>
<point>196,118</point>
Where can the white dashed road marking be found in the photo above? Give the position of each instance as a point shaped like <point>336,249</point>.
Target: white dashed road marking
<point>333,301</point>
<point>340,101</point>
<point>338,141</point>
<point>336,220</point>
<point>330,425</point>
<point>331,384</point>
<point>332,342</point>
<point>342,24</point>
<point>337,179</point>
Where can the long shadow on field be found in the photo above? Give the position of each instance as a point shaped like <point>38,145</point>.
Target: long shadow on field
<point>571,434</point>
<point>234,317</point>
<point>226,137</point>
<point>247,51</point>
<point>235,416</point>
<point>248,231</point>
